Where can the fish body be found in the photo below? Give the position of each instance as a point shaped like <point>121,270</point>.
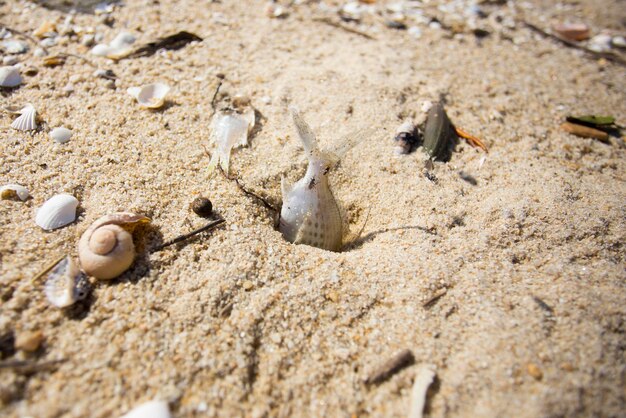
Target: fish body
<point>310,214</point>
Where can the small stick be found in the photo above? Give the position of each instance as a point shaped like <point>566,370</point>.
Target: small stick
<point>543,305</point>
<point>431,301</point>
<point>473,141</point>
<point>338,25</point>
<point>185,237</point>
<point>392,366</point>
<point>24,366</point>
<point>217,90</point>
<point>606,55</point>
<point>423,379</point>
<point>47,269</point>
<point>585,131</point>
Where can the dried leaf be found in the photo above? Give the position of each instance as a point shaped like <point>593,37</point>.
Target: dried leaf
<point>585,131</point>
<point>172,42</point>
<point>592,120</point>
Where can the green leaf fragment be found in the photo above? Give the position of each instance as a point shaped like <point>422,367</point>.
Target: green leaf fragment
<point>594,120</point>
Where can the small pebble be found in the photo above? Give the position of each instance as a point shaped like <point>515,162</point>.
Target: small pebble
<point>534,371</point>
<point>240,100</point>
<point>618,42</point>
<point>39,53</point>
<point>29,341</point>
<point>48,42</point>
<point>202,207</point>
<point>88,39</point>
<point>247,285</point>
<point>10,60</point>
<point>61,135</point>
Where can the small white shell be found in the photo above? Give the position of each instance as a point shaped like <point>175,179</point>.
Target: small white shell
<point>9,190</point>
<point>66,284</point>
<point>61,135</point>
<point>57,211</point>
<point>10,76</point>
<point>27,119</point>
<point>118,48</point>
<point>150,96</point>
<point>106,249</point>
<point>151,409</point>
<point>13,46</point>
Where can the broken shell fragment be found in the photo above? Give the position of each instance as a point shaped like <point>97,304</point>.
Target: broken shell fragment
<point>119,47</point>
<point>57,211</point>
<point>151,409</point>
<point>106,249</point>
<point>61,135</point>
<point>11,191</point>
<point>27,119</point>
<point>438,133</point>
<point>66,284</point>
<point>151,96</point>
<point>229,130</point>
<point>10,76</point>
<point>406,138</point>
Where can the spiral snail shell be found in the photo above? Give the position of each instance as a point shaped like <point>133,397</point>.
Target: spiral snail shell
<point>106,249</point>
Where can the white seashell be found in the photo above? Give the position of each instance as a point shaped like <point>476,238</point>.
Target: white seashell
<point>10,60</point>
<point>151,409</point>
<point>10,190</point>
<point>66,284</point>
<point>229,130</point>
<point>61,135</point>
<point>106,249</point>
<point>10,77</point>
<point>118,48</point>
<point>57,211</point>
<point>14,46</point>
<point>27,119</point>
<point>150,96</point>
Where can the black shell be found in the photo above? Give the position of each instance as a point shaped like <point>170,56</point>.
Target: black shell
<point>438,133</point>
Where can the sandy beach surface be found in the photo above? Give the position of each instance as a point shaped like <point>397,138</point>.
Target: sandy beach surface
<point>504,271</point>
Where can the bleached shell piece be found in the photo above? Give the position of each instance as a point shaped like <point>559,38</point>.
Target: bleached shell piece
<point>61,135</point>
<point>106,249</point>
<point>118,48</point>
<point>8,190</point>
<point>151,96</point>
<point>27,119</point>
<point>151,409</point>
<point>123,40</point>
<point>229,130</point>
<point>66,284</point>
<point>57,211</point>
<point>10,76</point>
<point>101,50</point>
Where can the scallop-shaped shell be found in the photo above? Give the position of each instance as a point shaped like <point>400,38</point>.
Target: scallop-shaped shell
<point>61,135</point>
<point>10,76</point>
<point>9,190</point>
<point>57,211</point>
<point>106,249</point>
<point>151,409</point>
<point>27,119</point>
<point>66,284</point>
<point>150,96</point>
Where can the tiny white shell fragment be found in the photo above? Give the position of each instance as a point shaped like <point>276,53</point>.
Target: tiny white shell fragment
<point>61,135</point>
<point>118,48</point>
<point>9,190</point>
<point>27,119</point>
<point>13,46</point>
<point>151,409</point>
<point>66,284</point>
<point>57,211</point>
<point>229,130</point>
<point>150,96</point>
<point>10,76</point>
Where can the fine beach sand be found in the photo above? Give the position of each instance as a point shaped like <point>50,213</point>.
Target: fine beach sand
<point>528,242</point>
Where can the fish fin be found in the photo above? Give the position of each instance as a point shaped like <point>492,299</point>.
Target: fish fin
<point>304,131</point>
<point>213,163</point>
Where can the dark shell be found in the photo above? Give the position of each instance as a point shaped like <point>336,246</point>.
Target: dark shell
<point>202,207</point>
<point>438,133</point>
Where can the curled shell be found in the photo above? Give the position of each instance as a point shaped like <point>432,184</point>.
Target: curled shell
<point>26,121</point>
<point>10,191</point>
<point>438,133</point>
<point>151,96</point>
<point>406,138</point>
<point>57,211</point>
<point>66,284</point>
<point>61,135</point>
<point>106,249</point>
<point>10,76</point>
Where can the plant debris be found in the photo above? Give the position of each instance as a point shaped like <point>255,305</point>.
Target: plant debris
<point>172,42</point>
<point>585,131</point>
<point>213,224</point>
<point>593,121</point>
